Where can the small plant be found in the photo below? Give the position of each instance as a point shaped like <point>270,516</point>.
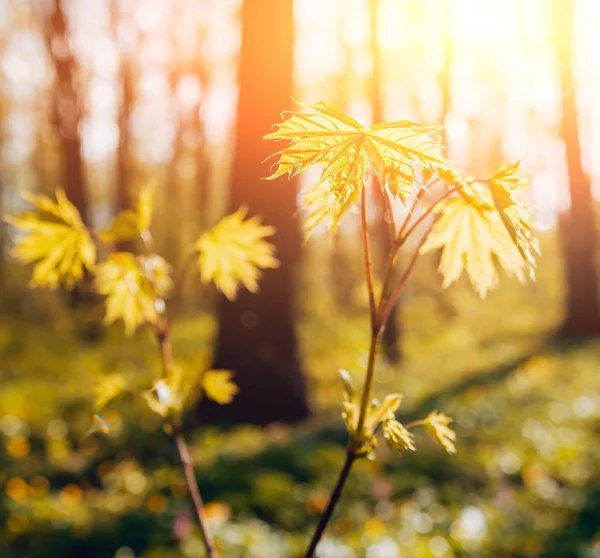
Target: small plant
<point>473,222</point>
<point>136,287</point>
<point>477,223</point>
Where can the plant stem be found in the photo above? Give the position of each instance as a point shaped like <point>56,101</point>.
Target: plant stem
<point>389,305</point>
<point>368,385</point>
<point>333,500</point>
<point>379,316</point>
<point>163,336</point>
<point>401,239</point>
<point>367,251</point>
<point>188,469</point>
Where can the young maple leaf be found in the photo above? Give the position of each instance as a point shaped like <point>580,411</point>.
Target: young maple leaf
<point>346,150</point>
<point>234,252</point>
<point>506,188</point>
<point>132,293</point>
<point>218,386</point>
<point>437,427</point>
<point>471,234</point>
<point>131,223</point>
<point>55,237</point>
<point>397,436</point>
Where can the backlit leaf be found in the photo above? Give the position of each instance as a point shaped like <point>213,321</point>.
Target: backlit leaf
<point>108,389</point>
<point>131,223</point>
<point>437,427</point>
<point>346,150</point>
<point>234,252</point>
<point>218,386</point>
<point>134,288</point>
<point>397,436</point>
<point>55,238</point>
<point>470,237</point>
<point>506,188</point>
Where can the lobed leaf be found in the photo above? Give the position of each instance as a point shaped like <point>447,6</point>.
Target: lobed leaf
<point>346,150</point>
<point>397,436</point>
<point>437,427</point>
<point>471,237</point>
<point>131,223</point>
<point>134,288</point>
<point>234,252</point>
<point>54,238</point>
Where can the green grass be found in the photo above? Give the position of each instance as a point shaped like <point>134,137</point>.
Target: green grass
<point>523,482</point>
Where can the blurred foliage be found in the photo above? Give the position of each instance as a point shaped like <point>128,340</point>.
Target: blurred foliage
<point>523,481</point>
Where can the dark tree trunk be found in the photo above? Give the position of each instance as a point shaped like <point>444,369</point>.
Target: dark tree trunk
<point>67,108</point>
<point>578,232</point>
<point>391,333</point>
<point>257,337</point>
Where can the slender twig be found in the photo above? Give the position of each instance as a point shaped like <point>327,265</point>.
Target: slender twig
<point>368,385</point>
<point>163,336</point>
<point>188,468</point>
<point>367,251</point>
<point>148,241</point>
<point>389,305</point>
<point>379,317</point>
<point>401,239</point>
<point>388,214</point>
<point>333,500</point>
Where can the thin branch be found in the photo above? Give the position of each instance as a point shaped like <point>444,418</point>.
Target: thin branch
<point>186,462</point>
<point>367,251</point>
<point>389,305</point>
<point>401,239</point>
<point>333,500</point>
<point>148,241</point>
<point>368,385</point>
<point>388,215</point>
<point>163,336</point>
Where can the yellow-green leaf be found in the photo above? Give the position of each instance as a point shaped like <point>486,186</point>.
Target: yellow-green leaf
<point>108,389</point>
<point>437,427</point>
<point>131,223</point>
<point>56,239</point>
<point>218,386</point>
<point>234,252</point>
<point>134,288</point>
<point>380,413</point>
<point>471,237</point>
<point>397,436</point>
<point>506,188</point>
<point>346,150</point>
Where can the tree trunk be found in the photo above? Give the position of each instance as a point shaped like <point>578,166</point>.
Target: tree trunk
<point>578,231</point>
<point>123,194</point>
<point>257,337</point>
<point>67,109</point>
<point>391,333</point>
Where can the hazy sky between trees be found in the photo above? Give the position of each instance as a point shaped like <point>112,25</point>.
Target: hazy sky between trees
<point>504,79</point>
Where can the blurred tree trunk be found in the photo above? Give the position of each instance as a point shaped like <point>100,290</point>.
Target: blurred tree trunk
<point>203,191</point>
<point>391,334</point>
<point>123,194</point>
<point>341,271</point>
<point>577,228</point>
<point>67,107</point>
<point>175,208</point>
<point>257,337</point>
